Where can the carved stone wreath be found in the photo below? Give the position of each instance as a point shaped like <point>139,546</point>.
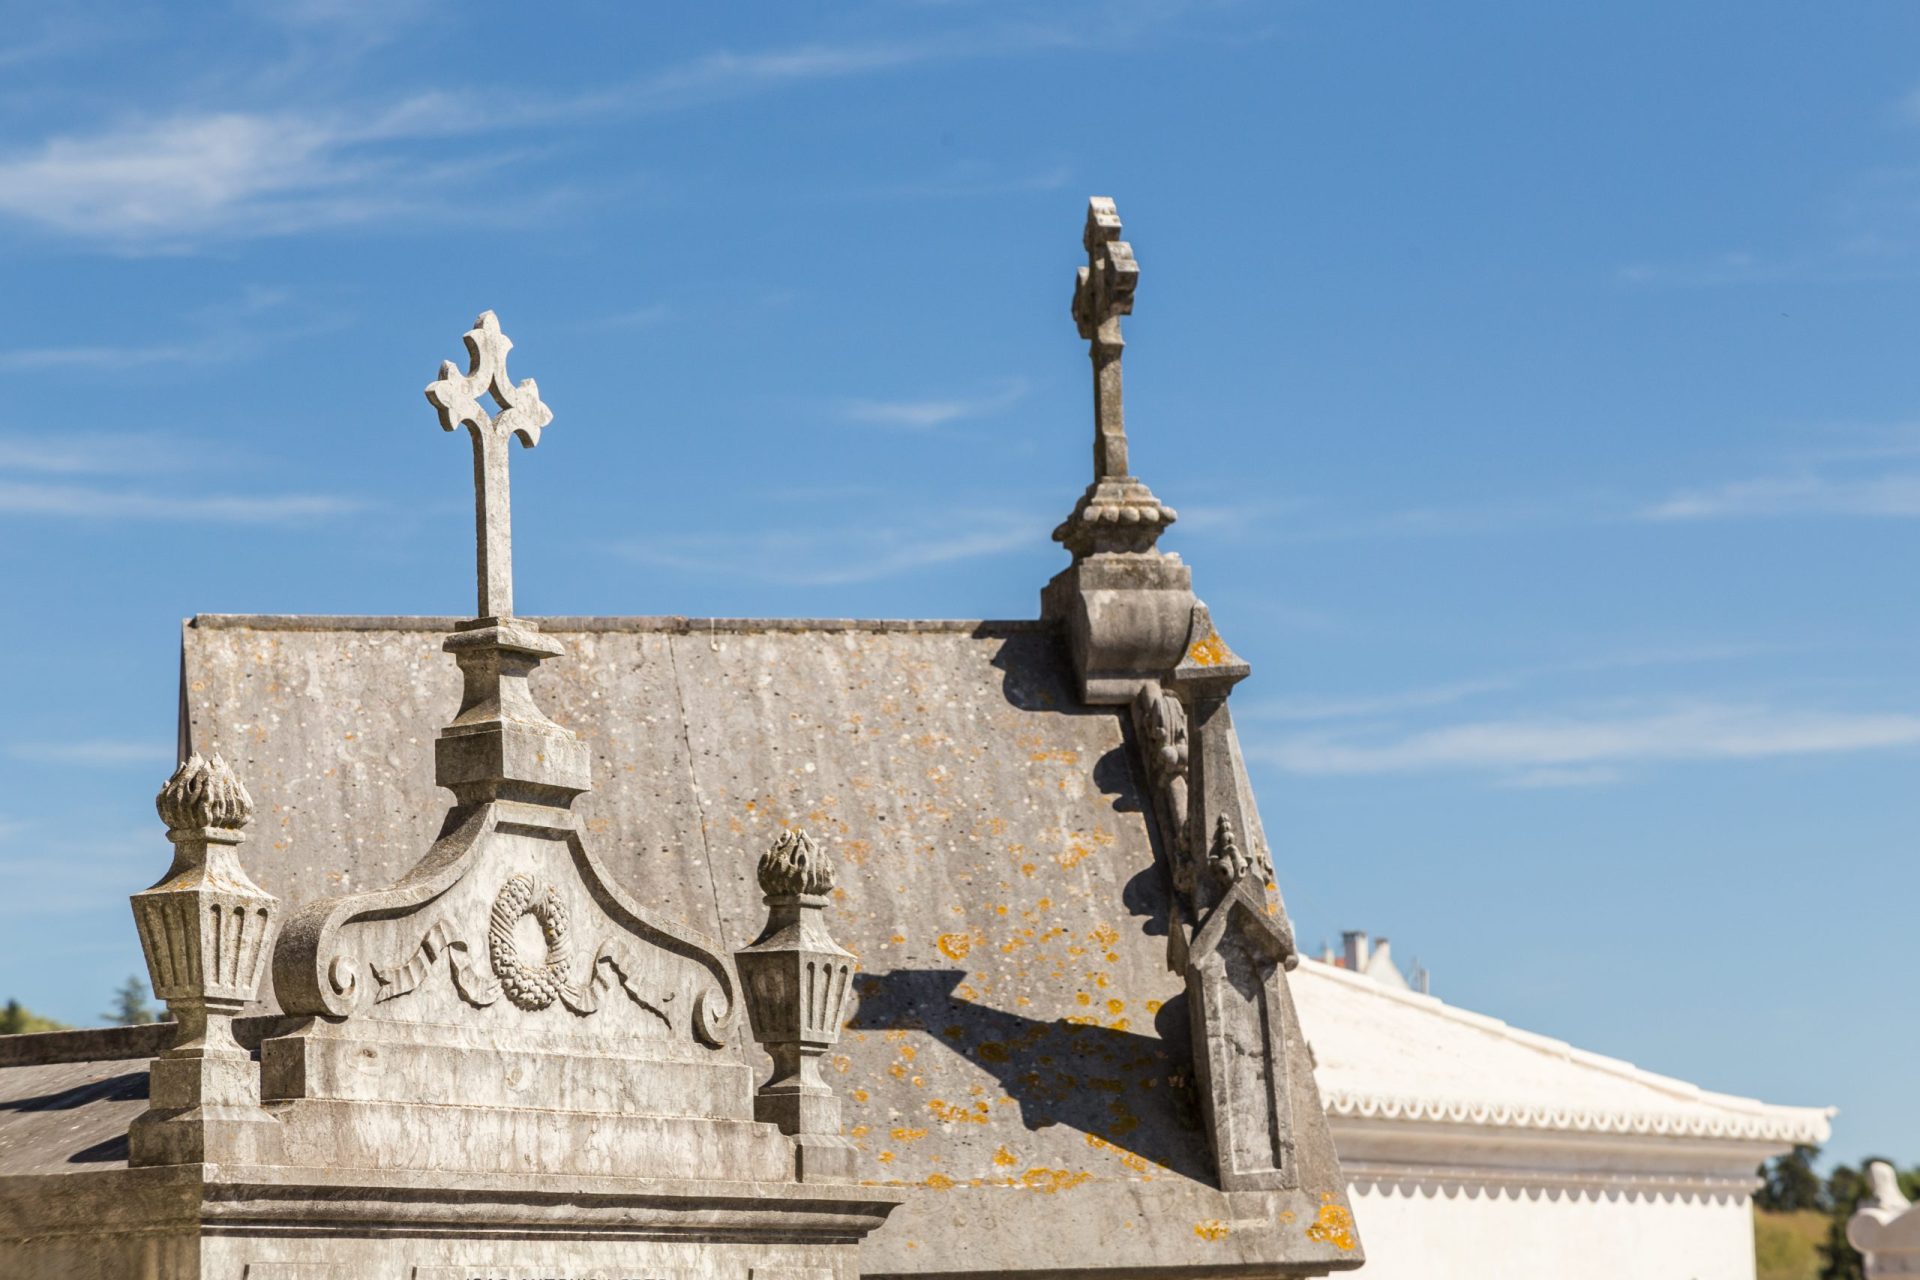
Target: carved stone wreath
<point>530,986</point>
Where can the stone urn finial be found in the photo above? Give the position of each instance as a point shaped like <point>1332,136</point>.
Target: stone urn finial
<point>205,928</point>
<point>795,981</point>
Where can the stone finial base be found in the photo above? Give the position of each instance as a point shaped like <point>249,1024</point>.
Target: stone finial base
<point>501,745</point>
<point>822,1158</point>
<point>205,1135</point>
<point>1126,617</point>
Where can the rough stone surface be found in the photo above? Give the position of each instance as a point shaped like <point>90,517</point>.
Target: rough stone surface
<point>1019,1051</point>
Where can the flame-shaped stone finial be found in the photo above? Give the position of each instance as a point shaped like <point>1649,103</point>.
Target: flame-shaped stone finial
<point>203,794</point>
<point>795,865</point>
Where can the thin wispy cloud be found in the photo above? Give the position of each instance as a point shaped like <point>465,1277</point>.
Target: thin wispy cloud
<point>166,183</point>
<point>1373,706</point>
<point>94,753</point>
<point>1519,748</point>
<point>169,182</point>
<point>1397,702</point>
<point>87,453</point>
<point>87,503</point>
<point>638,317</point>
<point>961,182</point>
<point>294,160</point>
<point>214,349</point>
<point>1892,494</point>
<point>925,415</point>
<point>836,557</point>
<point>225,332</point>
<point>1555,777</point>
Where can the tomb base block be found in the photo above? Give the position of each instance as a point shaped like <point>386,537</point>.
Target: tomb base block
<point>239,1222</point>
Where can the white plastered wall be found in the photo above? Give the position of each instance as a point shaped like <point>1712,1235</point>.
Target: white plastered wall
<point>1456,1232</point>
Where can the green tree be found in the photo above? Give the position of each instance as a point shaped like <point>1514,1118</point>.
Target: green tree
<point>130,1007</point>
<point>1789,1184</point>
<point>17,1019</point>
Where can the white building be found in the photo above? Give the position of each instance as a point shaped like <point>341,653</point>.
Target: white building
<point>1477,1151</point>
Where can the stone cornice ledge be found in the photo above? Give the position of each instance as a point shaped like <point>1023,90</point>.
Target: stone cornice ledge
<point>1780,1124</point>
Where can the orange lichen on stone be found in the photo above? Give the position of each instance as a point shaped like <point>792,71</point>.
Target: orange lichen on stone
<point>1026,868</point>
<point>1082,998</point>
<point>858,1131</point>
<point>1005,1158</point>
<point>861,1095</point>
<point>939,1181</point>
<point>886,1157</point>
<point>1210,652</point>
<point>1211,1229</point>
<point>954,946</point>
<point>904,1134</point>
<point>1333,1225</point>
<point>1115,1006</point>
<point>1153,1006</point>
<point>1137,1164</point>
<point>1048,1181</point>
<point>1062,755</point>
<point>1106,935</point>
<point>993,1051</point>
<point>947,1113</point>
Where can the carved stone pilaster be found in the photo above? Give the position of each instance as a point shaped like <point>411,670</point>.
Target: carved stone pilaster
<point>795,979</point>
<point>1241,943</point>
<point>204,928</point>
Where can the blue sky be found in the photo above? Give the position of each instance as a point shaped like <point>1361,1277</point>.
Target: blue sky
<point>1536,383</point>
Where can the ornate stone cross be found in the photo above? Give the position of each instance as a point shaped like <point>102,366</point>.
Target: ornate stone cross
<point>521,413</point>
<point>1102,295</point>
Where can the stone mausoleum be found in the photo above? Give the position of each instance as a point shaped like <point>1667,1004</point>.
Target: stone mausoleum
<point>658,947</point>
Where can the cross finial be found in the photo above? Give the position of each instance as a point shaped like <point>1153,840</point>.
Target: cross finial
<point>521,413</point>
<point>1102,294</point>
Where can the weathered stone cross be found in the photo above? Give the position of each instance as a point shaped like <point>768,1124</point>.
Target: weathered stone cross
<point>1103,294</point>
<point>523,414</point>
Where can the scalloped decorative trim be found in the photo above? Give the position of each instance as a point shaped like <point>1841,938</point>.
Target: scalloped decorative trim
<point>1773,1127</point>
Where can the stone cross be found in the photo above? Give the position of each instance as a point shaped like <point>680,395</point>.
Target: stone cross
<point>521,413</point>
<point>1102,295</point>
